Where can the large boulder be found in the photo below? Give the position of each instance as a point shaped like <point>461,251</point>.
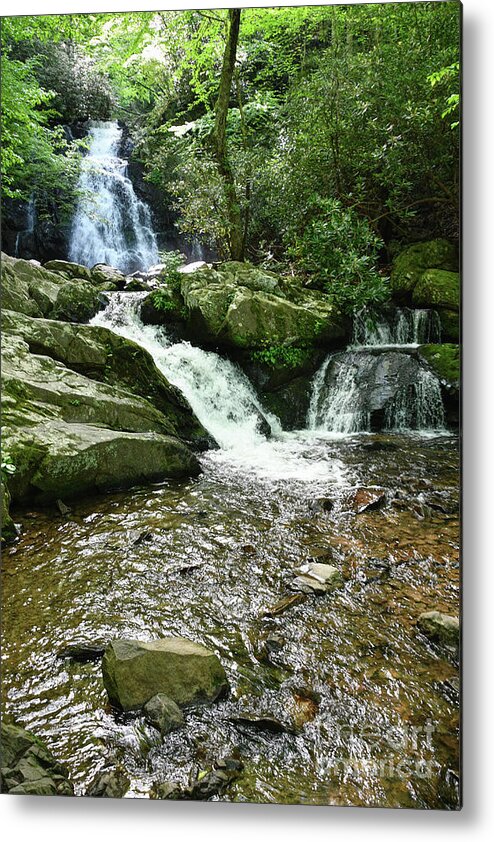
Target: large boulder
<point>239,306</point>
<point>439,289</point>
<point>102,355</point>
<point>28,767</point>
<point>186,672</point>
<point>410,264</point>
<point>67,434</point>
<point>444,360</point>
<point>29,288</point>
<point>72,270</point>
<point>107,276</point>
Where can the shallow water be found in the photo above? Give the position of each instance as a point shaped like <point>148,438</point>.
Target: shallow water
<point>361,689</point>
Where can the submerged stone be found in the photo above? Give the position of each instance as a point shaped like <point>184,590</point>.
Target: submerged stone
<point>162,713</point>
<point>186,672</point>
<point>440,627</point>
<point>317,578</point>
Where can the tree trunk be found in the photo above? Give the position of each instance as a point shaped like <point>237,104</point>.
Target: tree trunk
<point>234,212</point>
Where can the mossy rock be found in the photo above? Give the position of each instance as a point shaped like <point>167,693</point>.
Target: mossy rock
<point>77,301</point>
<point>71,270</point>
<point>28,767</point>
<point>444,361</point>
<point>442,628</point>
<point>450,325</point>
<point>186,672</point>
<point>438,288</point>
<point>410,264</point>
<point>8,530</point>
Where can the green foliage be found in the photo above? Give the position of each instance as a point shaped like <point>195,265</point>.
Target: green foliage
<point>8,467</point>
<point>340,251</point>
<point>280,356</point>
<point>171,260</point>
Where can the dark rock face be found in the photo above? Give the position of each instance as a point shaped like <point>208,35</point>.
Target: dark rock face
<point>111,784</point>
<point>28,768</point>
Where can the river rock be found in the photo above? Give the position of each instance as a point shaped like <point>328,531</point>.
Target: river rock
<point>28,767</point>
<point>444,360</point>
<point>103,274</point>
<point>409,266</point>
<point>162,713</point>
<point>135,671</point>
<point>67,434</point>
<point>101,355</point>
<point>8,530</point>
<point>317,578</point>
<point>442,628</point>
<point>110,784</point>
<point>34,290</point>
<point>72,270</point>
<point>439,289</point>
<point>239,306</point>
<point>368,500</point>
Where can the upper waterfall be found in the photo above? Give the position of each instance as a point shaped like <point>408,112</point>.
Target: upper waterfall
<point>111,224</point>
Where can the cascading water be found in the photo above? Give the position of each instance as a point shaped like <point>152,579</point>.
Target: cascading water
<point>111,225</point>
<point>403,327</point>
<point>28,231</point>
<point>224,400</point>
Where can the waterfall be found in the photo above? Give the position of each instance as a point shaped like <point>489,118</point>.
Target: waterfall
<point>111,224</point>
<point>403,327</point>
<point>223,399</point>
<point>361,390</point>
<point>29,230</point>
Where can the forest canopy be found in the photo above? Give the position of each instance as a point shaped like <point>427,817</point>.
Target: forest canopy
<point>338,134</point>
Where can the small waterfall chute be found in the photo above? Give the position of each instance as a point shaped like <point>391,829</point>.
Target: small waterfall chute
<point>364,390</point>
<point>111,224</point>
<point>402,326</point>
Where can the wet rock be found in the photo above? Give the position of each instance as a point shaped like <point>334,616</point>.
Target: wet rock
<point>282,605</point>
<point>262,722</point>
<point>111,784</point>
<point>8,528</point>
<point>83,652</point>
<point>101,274</point>
<point>62,508</point>
<point>28,767</point>
<point>72,270</point>
<point>439,627</point>
<point>135,671</point>
<point>413,261</point>
<point>437,288</point>
<point>167,791</point>
<point>368,500</point>
<point>317,578</point>
<point>162,713</point>
<point>321,504</point>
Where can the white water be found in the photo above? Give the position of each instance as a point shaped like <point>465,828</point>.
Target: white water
<point>336,409</point>
<point>31,220</point>
<point>225,402</point>
<point>402,327</point>
<point>111,225</point>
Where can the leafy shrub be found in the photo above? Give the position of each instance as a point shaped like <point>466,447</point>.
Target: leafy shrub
<point>339,250</point>
<point>280,356</point>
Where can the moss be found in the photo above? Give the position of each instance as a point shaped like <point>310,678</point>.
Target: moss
<point>450,325</point>
<point>411,263</point>
<point>444,360</point>
<point>438,288</point>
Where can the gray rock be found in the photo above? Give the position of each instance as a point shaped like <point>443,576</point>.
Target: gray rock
<point>162,713</point>
<point>101,273</point>
<point>28,767</point>
<point>110,784</point>
<point>317,578</point>
<point>135,671</point>
<point>72,270</point>
<point>442,628</point>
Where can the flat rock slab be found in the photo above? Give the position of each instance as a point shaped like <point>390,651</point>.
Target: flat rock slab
<point>317,578</point>
<point>188,673</point>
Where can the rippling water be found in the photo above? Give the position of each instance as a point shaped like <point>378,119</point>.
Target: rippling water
<point>361,689</point>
